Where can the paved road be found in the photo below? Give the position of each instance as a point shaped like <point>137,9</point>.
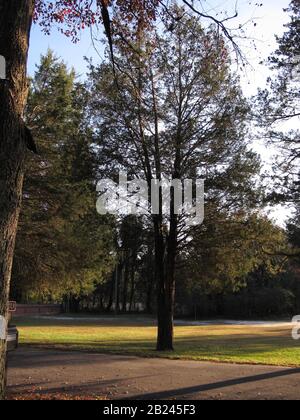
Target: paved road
<point>123,377</point>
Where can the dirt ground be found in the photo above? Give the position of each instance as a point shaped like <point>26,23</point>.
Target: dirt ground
<point>42,372</point>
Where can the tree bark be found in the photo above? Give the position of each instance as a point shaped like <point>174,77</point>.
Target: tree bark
<point>165,262</point>
<point>15,24</point>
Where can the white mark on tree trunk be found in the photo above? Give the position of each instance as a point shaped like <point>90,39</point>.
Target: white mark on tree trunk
<point>2,68</point>
<point>3,328</point>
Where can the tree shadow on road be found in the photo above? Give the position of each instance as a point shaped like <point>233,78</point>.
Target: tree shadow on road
<point>188,392</point>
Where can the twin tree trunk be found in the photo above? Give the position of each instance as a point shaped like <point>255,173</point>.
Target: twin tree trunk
<point>15,24</point>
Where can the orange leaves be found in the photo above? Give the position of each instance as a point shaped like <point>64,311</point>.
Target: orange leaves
<point>72,16</point>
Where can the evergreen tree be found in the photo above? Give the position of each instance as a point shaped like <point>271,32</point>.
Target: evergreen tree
<point>176,110</point>
<point>62,245</point>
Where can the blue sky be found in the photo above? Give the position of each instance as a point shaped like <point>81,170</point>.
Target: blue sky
<point>269,19</point>
<point>72,54</point>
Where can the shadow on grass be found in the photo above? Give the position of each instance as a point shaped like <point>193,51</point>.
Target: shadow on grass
<point>238,344</point>
<point>242,349</point>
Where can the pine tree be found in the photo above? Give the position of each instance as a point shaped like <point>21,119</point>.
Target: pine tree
<point>62,245</point>
<point>176,110</point>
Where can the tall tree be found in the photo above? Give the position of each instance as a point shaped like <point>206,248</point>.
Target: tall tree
<point>176,111</point>
<point>15,22</point>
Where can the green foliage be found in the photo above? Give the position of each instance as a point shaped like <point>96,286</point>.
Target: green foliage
<point>226,249</point>
<point>62,246</point>
<point>236,269</point>
<point>175,93</point>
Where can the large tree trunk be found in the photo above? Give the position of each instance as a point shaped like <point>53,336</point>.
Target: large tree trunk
<point>165,260</point>
<point>15,24</point>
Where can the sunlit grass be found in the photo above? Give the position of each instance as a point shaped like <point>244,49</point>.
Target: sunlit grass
<point>134,336</point>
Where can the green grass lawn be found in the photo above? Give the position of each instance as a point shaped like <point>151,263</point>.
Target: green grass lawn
<point>136,336</point>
